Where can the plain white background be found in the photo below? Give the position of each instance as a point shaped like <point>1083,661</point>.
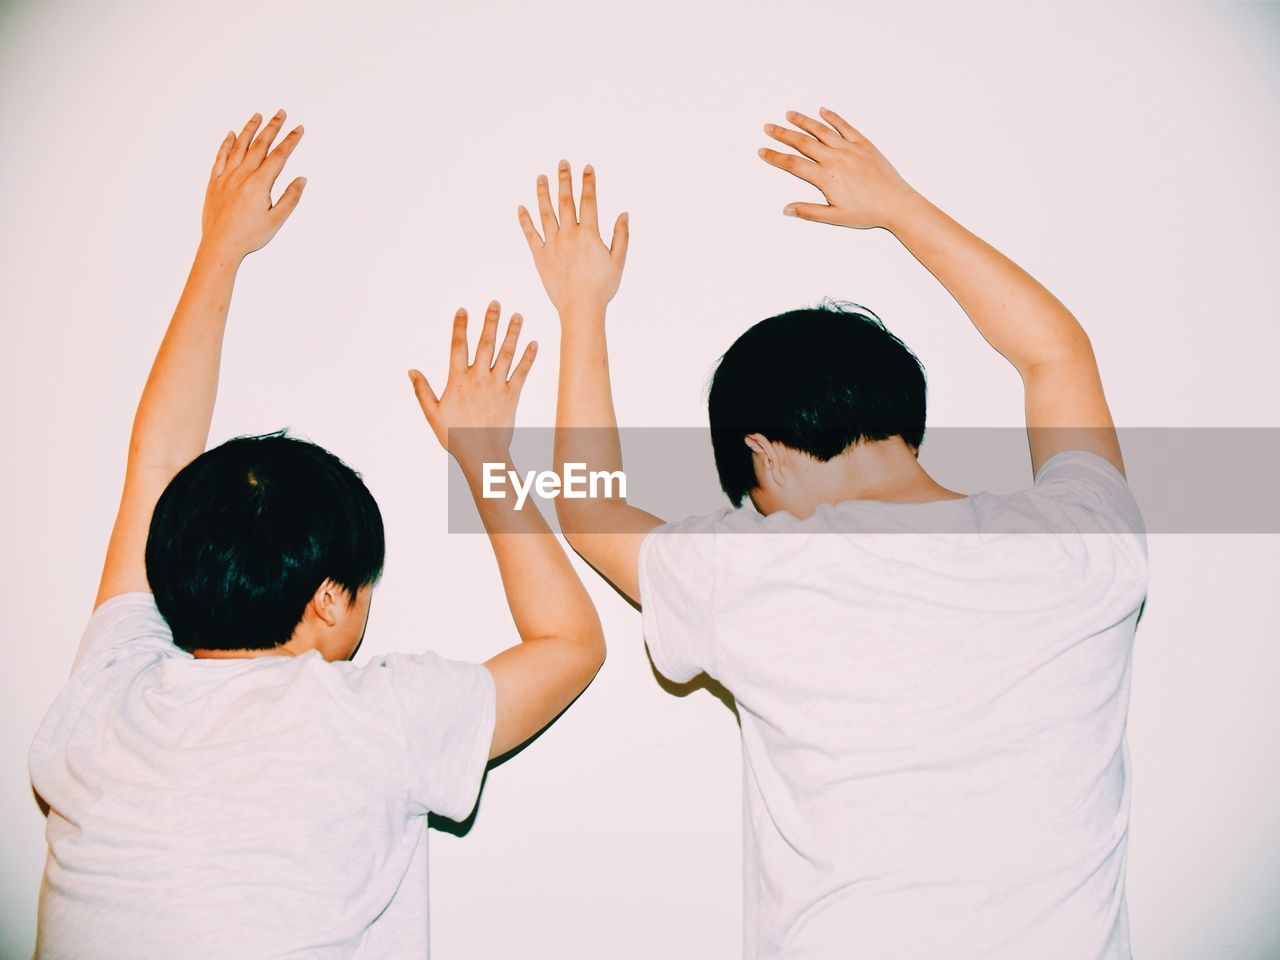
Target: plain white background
<point>1125,156</point>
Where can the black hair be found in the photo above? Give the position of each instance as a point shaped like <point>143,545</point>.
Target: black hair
<point>245,534</point>
<point>817,380</point>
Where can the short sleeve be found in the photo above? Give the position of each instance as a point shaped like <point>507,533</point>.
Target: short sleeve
<point>1090,482</point>
<point>447,710</point>
<point>128,621</point>
<point>677,572</point>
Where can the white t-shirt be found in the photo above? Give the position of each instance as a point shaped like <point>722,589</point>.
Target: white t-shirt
<point>933,723</point>
<point>252,808</point>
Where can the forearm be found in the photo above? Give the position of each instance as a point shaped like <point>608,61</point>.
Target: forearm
<point>1022,320</point>
<point>586,425</point>
<point>1065,406</point>
<point>587,433</point>
<point>546,598</point>
<point>172,423</point>
<point>606,531</point>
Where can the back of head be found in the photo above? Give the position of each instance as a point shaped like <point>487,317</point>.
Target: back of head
<point>244,535</point>
<point>817,380</point>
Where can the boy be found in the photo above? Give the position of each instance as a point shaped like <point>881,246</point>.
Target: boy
<point>933,725</point>
<point>222,781</point>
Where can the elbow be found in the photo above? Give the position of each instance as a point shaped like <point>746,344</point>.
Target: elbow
<point>573,538</point>
<point>588,655</point>
<point>1078,347</point>
<point>1069,351</point>
<point>597,661</point>
<point>153,459</point>
<point>575,519</point>
<point>596,650</point>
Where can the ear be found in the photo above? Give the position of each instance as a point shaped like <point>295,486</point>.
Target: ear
<point>767,457</point>
<point>326,602</point>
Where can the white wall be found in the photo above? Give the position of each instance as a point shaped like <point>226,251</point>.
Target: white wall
<point>1126,157</point>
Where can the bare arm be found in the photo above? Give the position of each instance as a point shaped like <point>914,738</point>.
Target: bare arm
<point>581,275</point>
<point>562,644</point>
<point>171,426</point>
<point>1024,322</point>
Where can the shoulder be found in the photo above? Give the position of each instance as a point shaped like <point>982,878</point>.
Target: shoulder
<point>721,521</point>
<point>1087,503</point>
<point>1097,494</point>
<point>684,546</point>
<point>125,624</point>
<point>415,682</point>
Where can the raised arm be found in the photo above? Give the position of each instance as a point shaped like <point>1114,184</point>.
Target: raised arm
<point>562,644</point>
<point>581,275</point>
<point>1024,322</point>
<point>172,423</point>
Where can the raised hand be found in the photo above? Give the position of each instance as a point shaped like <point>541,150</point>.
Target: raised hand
<point>171,426</point>
<point>239,216</point>
<point>476,413</point>
<point>861,187</point>
<point>578,271</point>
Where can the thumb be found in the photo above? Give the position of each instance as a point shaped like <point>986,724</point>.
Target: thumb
<point>427,398</point>
<point>621,237</point>
<point>818,212</point>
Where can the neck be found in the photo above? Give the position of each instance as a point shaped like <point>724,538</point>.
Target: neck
<point>885,470</point>
<point>295,645</point>
<point>881,470</point>
<point>281,651</point>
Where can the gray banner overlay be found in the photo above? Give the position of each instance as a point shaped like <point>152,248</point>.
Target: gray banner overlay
<point>1185,479</point>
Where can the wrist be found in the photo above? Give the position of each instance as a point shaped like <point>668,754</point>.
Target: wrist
<point>909,210</point>
<point>582,313</point>
<point>472,457</point>
<point>214,253</point>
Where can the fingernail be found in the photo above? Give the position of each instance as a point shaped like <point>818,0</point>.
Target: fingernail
<point>788,211</point>
<point>761,151</point>
<point>280,112</point>
<point>564,164</point>
<point>542,178</point>
<point>302,182</point>
<point>299,129</point>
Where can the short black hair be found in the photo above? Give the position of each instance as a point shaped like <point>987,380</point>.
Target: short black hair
<point>243,536</point>
<point>817,380</point>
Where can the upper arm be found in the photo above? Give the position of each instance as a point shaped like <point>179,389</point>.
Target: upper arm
<point>536,680</point>
<point>125,567</point>
<point>1067,409</point>
<point>607,534</point>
